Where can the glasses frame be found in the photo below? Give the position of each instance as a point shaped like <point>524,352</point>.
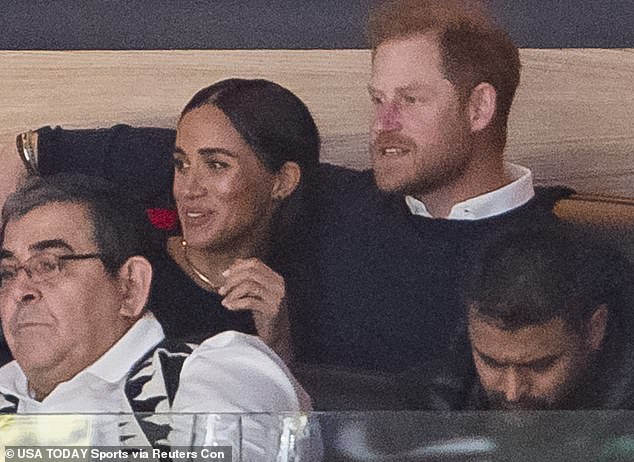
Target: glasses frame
<point>60,258</point>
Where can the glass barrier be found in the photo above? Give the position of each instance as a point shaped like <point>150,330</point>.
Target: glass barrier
<point>367,437</point>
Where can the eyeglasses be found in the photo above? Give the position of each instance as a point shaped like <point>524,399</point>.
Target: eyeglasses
<point>38,268</point>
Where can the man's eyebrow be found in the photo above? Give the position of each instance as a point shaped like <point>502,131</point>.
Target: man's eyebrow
<point>531,363</point>
<point>51,244</point>
<point>413,87</point>
<point>540,361</point>
<point>488,358</point>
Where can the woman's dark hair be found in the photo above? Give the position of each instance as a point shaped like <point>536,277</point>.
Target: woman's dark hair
<point>272,120</point>
<point>279,128</point>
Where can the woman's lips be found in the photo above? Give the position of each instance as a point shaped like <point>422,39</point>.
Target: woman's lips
<point>194,217</point>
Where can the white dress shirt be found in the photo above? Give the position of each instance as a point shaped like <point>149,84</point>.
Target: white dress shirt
<point>518,192</point>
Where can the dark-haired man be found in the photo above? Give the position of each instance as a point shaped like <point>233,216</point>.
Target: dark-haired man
<point>544,328</point>
<point>74,282</point>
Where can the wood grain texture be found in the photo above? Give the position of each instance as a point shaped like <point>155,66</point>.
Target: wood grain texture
<point>572,122</point>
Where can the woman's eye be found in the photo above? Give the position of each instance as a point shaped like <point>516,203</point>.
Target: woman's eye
<point>409,99</point>
<point>178,163</point>
<point>216,164</point>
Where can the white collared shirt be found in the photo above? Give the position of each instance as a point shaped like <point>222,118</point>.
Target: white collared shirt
<point>99,387</point>
<point>518,192</point>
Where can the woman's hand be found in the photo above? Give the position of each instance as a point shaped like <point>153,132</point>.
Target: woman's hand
<point>251,285</point>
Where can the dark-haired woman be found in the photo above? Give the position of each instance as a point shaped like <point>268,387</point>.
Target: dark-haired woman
<point>243,153</point>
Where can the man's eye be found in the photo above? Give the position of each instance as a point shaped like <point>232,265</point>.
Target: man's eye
<point>7,274</point>
<point>45,266</point>
<point>375,100</point>
<point>491,363</point>
<point>409,99</point>
<point>541,366</point>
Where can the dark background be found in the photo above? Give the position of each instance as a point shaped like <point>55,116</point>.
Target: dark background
<point>231,24</point>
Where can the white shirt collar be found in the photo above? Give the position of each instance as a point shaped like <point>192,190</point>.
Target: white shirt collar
<point>111,367</point>
<point>519,191</point>
<point>115,364</point>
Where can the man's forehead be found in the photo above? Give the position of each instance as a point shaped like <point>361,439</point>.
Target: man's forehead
<point>421,46</point>
<point>67,222</point>
<point>407,61</point>
<point>523,345</point>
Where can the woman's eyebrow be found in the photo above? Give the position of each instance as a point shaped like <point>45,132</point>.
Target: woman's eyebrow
<point>208,152</point>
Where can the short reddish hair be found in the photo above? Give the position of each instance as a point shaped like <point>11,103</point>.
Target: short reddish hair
<point>473,47</point>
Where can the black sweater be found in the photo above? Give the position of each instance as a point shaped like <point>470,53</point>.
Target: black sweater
<point>389,283</point>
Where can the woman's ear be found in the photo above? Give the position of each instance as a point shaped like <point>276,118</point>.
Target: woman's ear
<point>482,106</point>
<point>135,281</point>
<point>286,180</point>
<point>598,326</point>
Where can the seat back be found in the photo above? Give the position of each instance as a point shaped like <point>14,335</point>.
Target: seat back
<point>609,219</point>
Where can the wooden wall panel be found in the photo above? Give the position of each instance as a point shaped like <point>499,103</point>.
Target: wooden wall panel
<point>572,122</point>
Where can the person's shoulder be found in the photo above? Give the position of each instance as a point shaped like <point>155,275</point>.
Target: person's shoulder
<point>10,374</point>
<point>246,375</point>
<point>540,208</point>
<point>340,188</point>
<point>343,178</point>
<point>233,339</point>
<point>238,347</point>
<point>547,196</point>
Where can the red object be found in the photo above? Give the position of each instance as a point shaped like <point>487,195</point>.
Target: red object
<point>164,219</point>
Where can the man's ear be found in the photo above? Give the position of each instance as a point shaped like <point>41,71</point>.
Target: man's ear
<point>598,326</point>
<point>135,281</point>
<point>286,180</point>
<point>482,106</point>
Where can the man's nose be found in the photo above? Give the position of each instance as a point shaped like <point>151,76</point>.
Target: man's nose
<point>515,385</point>
<point>386,118</point>
<point>24,288</point>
